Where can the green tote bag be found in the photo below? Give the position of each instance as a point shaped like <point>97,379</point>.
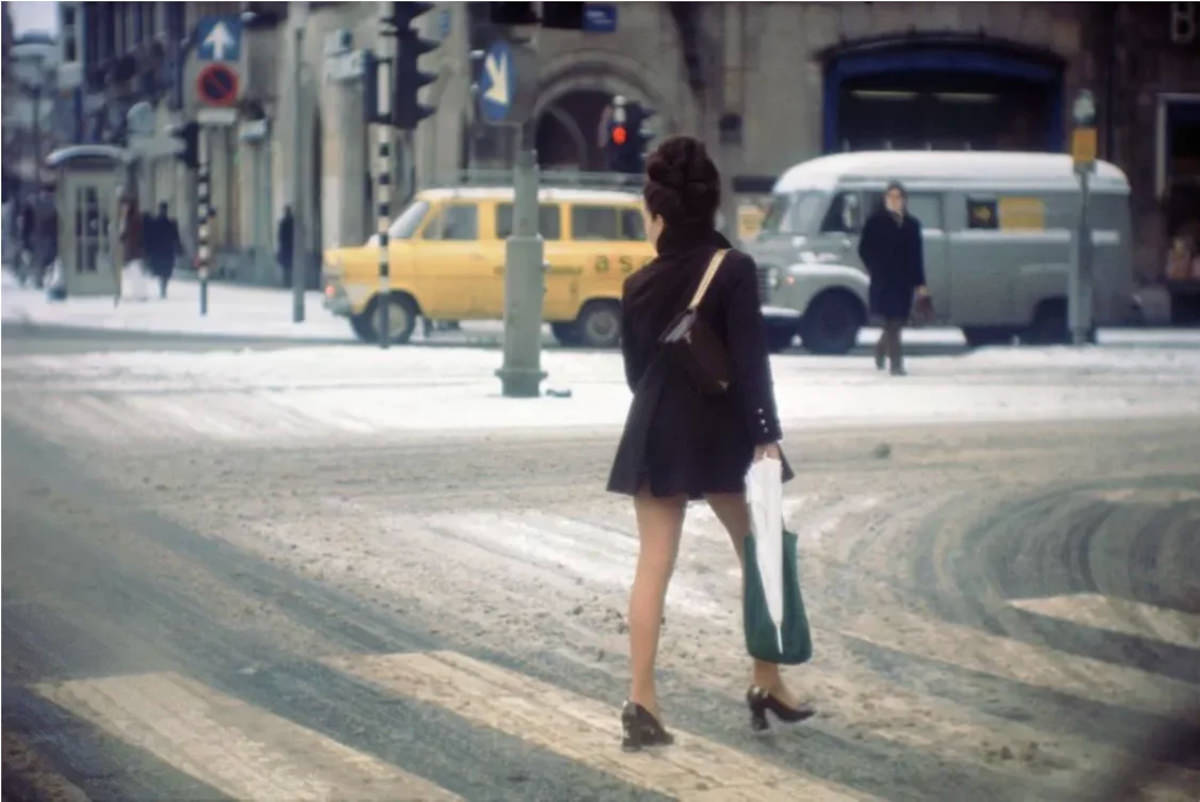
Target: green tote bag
<point>763,639</point>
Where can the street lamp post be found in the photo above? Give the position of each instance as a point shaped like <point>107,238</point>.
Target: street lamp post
<point>1079,285</point>
<point>300,10</point>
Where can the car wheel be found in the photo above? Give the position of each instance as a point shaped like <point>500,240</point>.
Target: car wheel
<point>599,325</point>
<point>402,318</point>
<point>831,324</point>
<point>362,326</point>
<point>1049,325</point>
<point>567,333</point>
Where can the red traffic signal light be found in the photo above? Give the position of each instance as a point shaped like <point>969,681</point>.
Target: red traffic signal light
<point>619,135</point>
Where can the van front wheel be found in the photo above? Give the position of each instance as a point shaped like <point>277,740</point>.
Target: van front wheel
<point>599,324</point>
<point>831,324</point>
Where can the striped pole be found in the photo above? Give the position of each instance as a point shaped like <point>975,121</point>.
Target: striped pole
<point>384,214</point>
<point>202,253</point>
<point>385,149</point>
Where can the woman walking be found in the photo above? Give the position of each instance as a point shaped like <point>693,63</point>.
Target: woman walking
<point>681,443</point>
<point>891,250</point>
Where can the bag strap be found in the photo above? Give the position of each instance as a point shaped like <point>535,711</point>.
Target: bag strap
<point>709,274</point>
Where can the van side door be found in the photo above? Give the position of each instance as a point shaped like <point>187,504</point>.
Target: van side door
<point>449,259</point>
<point>553,254</point>
<point>929,208</point>
<point>595,239</point>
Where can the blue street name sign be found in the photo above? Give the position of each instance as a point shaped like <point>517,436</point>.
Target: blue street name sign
<point>600,18</point>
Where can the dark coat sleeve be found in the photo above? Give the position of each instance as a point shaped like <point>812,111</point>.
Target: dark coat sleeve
<point>918,255</point>
<point>746,336</point>
<point>868,244</point>
<point>634,365</point>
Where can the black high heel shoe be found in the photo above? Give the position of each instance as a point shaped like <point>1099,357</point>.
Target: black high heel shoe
<point>760,700</point>
<point>640,728</point>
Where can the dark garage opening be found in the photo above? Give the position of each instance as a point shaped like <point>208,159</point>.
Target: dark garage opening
<point>964,97</point>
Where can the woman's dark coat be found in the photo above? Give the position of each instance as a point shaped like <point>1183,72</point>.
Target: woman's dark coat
<point>677,439</point>
<point>893,257</point>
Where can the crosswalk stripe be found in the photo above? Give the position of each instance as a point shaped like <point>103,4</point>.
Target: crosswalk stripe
<point>1118,615</point>
<point>581,729</point>
<point>231,745</point>
<point>1040,666</point>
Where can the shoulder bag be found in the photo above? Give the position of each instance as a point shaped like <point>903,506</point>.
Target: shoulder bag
<point>694,346</point>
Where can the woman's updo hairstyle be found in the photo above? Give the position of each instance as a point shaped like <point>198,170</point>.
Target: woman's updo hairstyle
<point>682,184</point>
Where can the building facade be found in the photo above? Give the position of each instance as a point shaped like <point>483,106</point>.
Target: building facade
<point>765,84</point>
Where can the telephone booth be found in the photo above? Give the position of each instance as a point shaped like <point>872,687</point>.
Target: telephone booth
<point>89,177</point>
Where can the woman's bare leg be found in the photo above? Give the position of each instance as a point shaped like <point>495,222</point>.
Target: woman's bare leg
<point>660,524</point>
<point>733,511</point>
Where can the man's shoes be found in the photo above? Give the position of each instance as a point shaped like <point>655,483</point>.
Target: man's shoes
<point>899,372</point>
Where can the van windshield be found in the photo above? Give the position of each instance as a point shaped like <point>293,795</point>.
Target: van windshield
<point>794,212</point>
<point>408,222</point>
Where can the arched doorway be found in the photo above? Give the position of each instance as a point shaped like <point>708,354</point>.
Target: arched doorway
<point>942,93</point>
<point>568,132</point>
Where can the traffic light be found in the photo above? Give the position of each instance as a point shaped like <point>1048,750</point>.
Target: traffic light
<point>512,14</point>
<point>566,16</point>
<point>407,78</point>
<point>643,132</point>
<point>189,135</point>
<point>628,136</point>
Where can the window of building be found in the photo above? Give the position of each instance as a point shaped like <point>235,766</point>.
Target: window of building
<point>458,222</point>
<point>70,30</point>
<point>594,223</point>
<point>549,221</point>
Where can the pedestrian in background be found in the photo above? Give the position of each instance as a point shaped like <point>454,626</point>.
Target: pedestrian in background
<point>890,248</point>
<point>680,443</point>
<point>131,232</point>
<point>283,244</point>
<point>163,247</point>
<point>45,245</point>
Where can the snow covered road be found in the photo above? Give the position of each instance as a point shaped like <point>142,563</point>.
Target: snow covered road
<point>351,392</point>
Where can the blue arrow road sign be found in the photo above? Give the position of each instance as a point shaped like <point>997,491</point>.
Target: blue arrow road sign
<point>219,38</point>
<point>497,84</point>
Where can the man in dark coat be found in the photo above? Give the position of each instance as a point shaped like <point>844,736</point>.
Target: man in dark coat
<point>283,244</point>
<point>162,246</point>
<point>891,250</point>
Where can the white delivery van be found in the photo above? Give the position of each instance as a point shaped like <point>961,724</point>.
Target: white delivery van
<point>997,233</point>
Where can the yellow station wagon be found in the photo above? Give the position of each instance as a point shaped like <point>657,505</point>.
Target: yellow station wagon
<point>447,253</point>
